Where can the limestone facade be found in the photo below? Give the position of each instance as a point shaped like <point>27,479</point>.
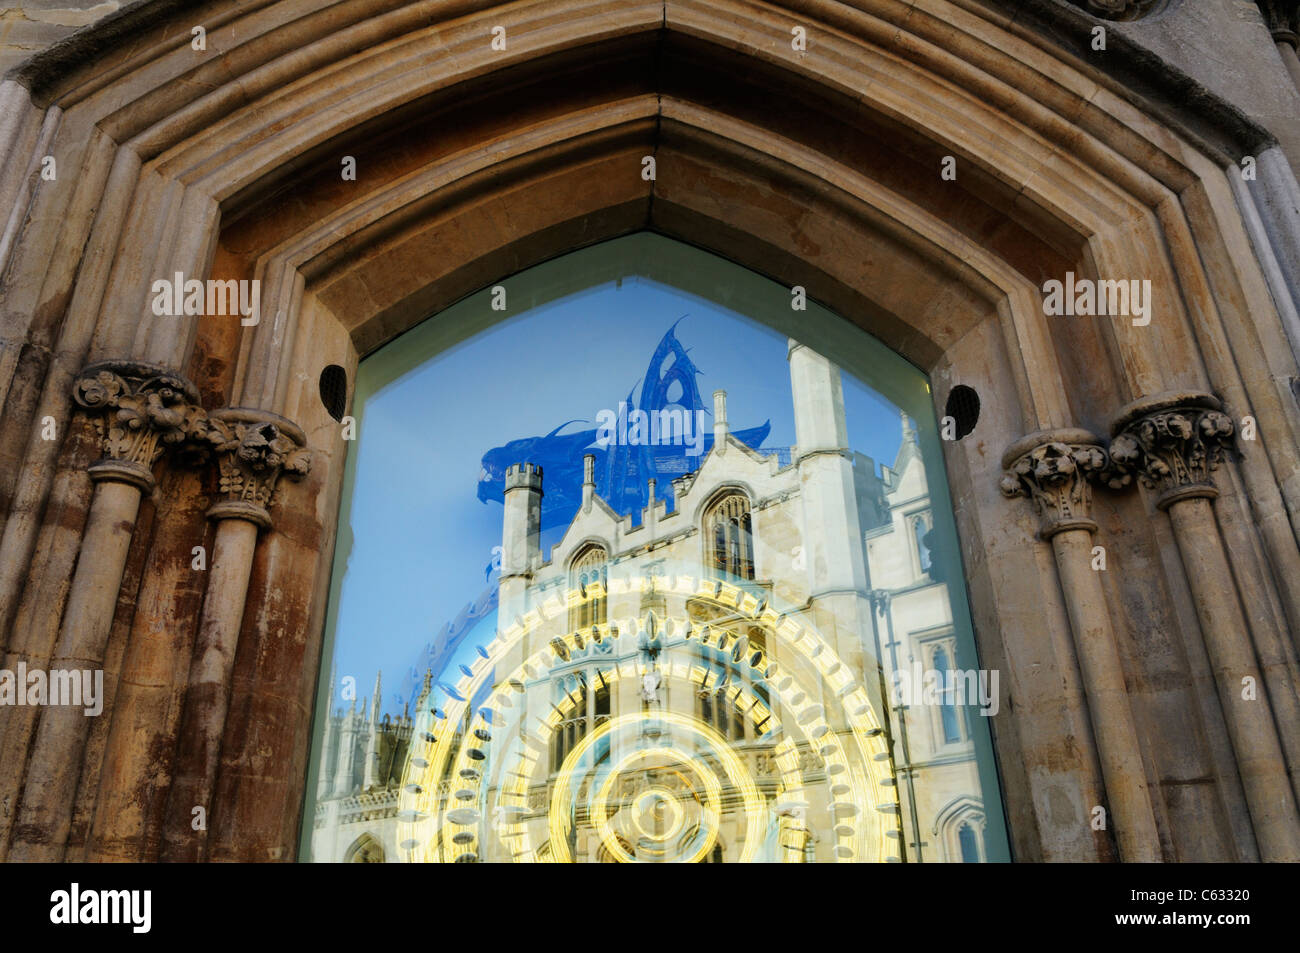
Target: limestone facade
<point>1162,688</point>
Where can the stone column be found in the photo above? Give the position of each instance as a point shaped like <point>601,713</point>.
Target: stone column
<point>1173,442</point>
<point>253,449</point>
<point>139,410</point>
<point>1055,469</point>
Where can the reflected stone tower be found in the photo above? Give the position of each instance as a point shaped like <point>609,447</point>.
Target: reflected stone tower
<point>832,531</point>
<point>521,549</point>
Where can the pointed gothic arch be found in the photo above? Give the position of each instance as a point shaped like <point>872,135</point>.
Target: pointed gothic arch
<point>728,535</point>
<point>588,567</point>
<point>366,849</point>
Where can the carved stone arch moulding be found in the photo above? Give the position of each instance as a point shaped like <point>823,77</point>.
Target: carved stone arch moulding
<point>473,164</point>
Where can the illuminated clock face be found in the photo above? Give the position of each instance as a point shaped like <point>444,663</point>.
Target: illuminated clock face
<point>693,722</point>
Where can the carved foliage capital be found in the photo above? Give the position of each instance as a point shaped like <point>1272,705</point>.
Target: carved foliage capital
<point>1117,9</point>
<point>139,411</point>
<point>1174,449</point>
<point>254,448</point>
<point>1057,476</point>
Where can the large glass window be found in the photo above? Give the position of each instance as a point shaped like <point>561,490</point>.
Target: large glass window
<point>606,620</point>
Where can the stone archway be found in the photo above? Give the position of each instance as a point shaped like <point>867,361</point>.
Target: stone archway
<point>818,167</point>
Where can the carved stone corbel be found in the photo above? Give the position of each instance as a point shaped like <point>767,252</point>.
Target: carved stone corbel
<point>254,448</point>
<point>1172,443</point>
<point>139,411</point>
<point>1056,469</point>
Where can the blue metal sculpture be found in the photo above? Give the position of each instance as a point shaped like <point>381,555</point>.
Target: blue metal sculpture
<point>626,457</point>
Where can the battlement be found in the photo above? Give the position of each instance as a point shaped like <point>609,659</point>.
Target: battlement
<point>527,476</point>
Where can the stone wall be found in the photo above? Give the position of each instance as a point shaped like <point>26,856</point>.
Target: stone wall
<point>29,26</point>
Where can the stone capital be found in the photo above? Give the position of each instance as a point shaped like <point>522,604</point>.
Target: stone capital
<point>1172,442</point>
<point>1116,9</point>
<point>1282,17</point>
<point>139,411</point>
<point>1056,469</point>
<point>253,449</point>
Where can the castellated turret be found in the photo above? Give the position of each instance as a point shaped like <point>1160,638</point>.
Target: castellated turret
<point>521,547</point>
<point>525,475</point>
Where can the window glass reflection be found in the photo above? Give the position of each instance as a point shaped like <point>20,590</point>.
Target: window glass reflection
<point>655,627</point>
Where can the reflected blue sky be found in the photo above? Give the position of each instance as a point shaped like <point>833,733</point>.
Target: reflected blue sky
<point>422,538</point>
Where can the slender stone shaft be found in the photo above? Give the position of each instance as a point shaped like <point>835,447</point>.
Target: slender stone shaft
<point>1118,746</point>
<point>1249,719</point>
<point>208,697</point>
<point>41,830</point>
<point>254,448</point>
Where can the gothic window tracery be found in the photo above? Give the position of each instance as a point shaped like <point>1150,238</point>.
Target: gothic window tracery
<point>588,577</point>
<point>586,710</point>
<point>728,533</point>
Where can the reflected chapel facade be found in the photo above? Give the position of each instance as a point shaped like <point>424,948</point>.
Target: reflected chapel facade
<point>709,683</point>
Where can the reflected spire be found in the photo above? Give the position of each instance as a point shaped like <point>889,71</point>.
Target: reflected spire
<point>909,429</point>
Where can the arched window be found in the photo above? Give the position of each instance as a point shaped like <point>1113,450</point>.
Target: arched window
<point>948,714</point>
<point>970,852</point>
<point>962,829</point>
<point>585,710</point>
<point>572,700</point>
<point>588,577</point>
<point>921,527</point>
<point>365,850</point>
<point>729,534</point>
<point>715,706</point>
<point>571,613</point>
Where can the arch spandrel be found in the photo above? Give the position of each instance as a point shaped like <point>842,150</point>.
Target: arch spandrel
<point>247,166</point>
<point>701,25</point>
